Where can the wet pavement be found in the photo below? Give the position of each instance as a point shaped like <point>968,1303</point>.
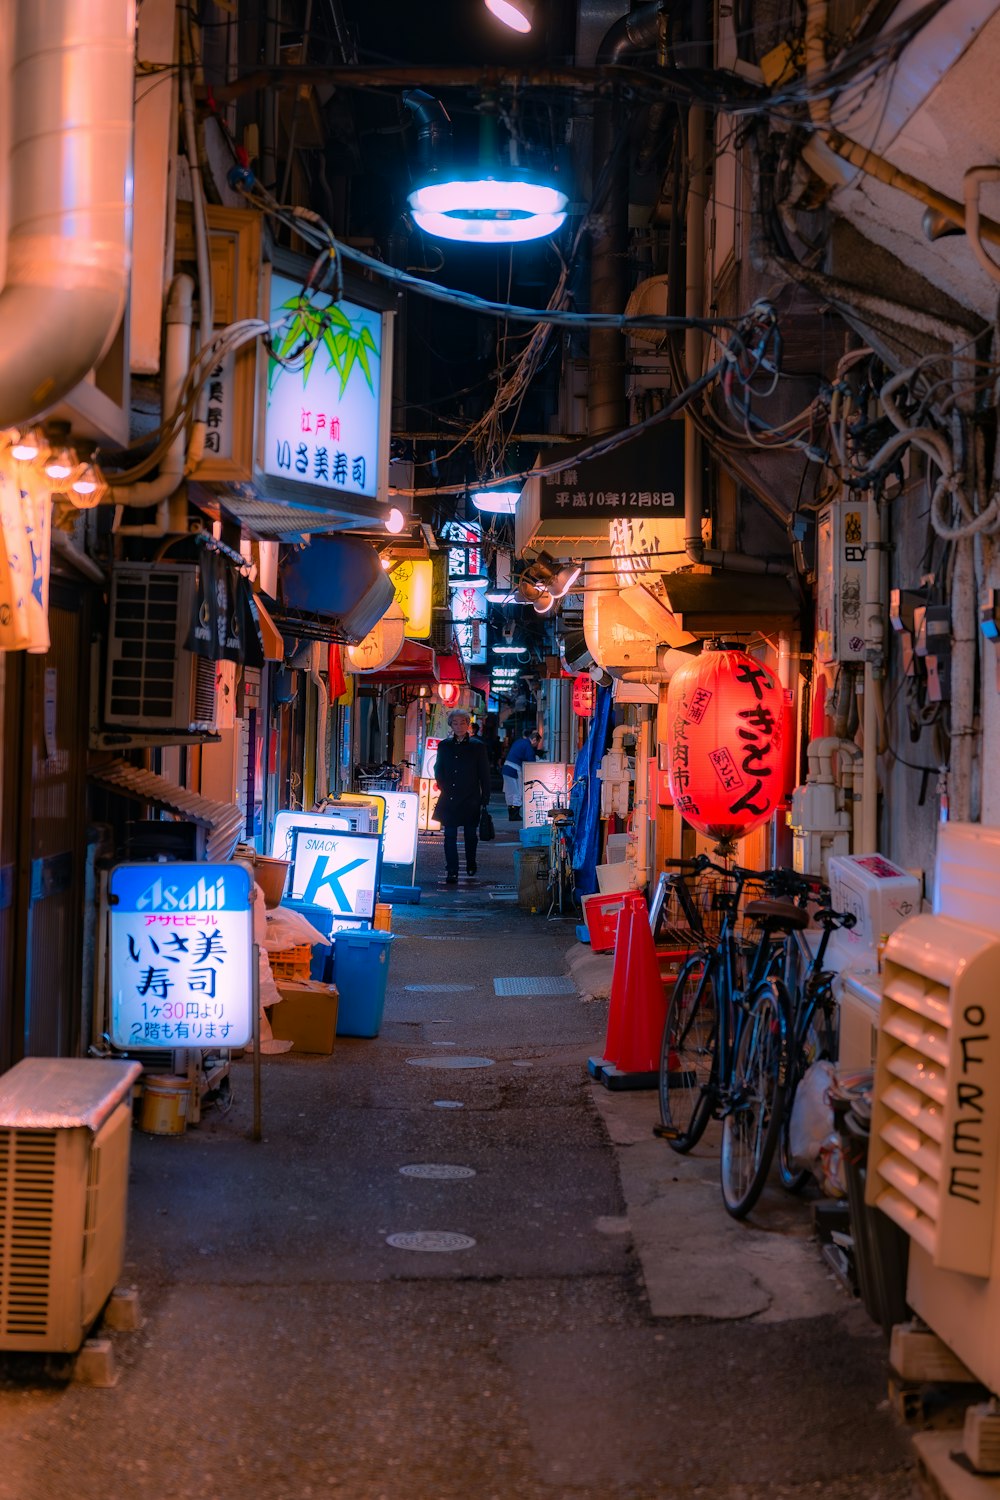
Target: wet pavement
<point>329,1312</point>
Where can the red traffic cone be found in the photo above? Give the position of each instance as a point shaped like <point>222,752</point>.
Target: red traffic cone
<point>637,1065</point>
<point>619,990</point>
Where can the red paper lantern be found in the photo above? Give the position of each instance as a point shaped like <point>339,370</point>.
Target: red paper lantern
<point>584,691</point>
<point>724,742</point>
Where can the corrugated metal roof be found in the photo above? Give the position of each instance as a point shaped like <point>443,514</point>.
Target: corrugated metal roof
<point>224,820</point>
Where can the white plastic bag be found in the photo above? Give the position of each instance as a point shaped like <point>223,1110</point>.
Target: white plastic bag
<point>812,1115</point>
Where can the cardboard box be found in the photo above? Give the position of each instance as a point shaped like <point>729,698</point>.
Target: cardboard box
<point>306,1016</point>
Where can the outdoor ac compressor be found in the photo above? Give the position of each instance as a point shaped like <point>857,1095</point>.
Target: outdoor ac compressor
<point>65,1128</point>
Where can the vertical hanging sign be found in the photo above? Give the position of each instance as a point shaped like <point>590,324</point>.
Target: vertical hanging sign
<point>181,944</point>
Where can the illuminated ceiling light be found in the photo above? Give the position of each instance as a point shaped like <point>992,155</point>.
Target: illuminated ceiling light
<point>469,581</point>
<point>509,650</point>
<point>517,14</point>
<point>395,521</point>
<point>87,487</point>
<point>60,464</point>
<point>488,210</point>
<point>496,502</point>
<point>29,445</point>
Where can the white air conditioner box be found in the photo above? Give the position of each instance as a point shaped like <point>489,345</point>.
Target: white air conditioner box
<point>935,1135</point>
<point>879,894</point>
<point>65,1128</point>
<point>154,683</point>
<point>967,874</point>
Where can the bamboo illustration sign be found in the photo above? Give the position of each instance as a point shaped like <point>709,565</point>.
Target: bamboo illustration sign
<point>325,374</point>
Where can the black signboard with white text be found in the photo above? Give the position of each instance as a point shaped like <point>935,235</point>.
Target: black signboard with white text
<point>643,476</point>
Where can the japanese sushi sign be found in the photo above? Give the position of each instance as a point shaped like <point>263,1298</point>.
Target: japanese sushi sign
<point>181,945</point>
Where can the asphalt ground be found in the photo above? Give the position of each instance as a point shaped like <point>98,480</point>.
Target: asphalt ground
<point>603,1329</point>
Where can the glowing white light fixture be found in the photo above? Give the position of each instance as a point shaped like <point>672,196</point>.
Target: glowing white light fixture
<point>29,445</point>
<point>509,650</point>
<point>470,581</point>
<point>500,596</point>
<point>488,210</point>
<point>87,487</point>
<point>517,14</point>
<point>60,464</point>
<point>496,502</point>
<point>395,521</point>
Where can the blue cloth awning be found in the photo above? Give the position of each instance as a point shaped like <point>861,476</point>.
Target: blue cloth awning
<point>335,589</point>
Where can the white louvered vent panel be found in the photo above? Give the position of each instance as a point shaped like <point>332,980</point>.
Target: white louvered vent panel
<point>936,1121</point>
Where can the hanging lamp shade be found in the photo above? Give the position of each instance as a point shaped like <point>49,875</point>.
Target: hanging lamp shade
<point>724,743</point>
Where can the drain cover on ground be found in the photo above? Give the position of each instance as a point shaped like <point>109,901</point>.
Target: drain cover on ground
<point>448,1104</point>
<point>503,896</point>
<point>450,1062</point>
<point>437,1171</point>
<point>439,989</point>
<point>430,1239</point>
<point>546,984</point>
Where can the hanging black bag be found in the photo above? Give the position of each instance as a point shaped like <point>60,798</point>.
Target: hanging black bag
<point>486,829</point>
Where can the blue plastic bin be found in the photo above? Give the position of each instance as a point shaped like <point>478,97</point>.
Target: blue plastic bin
<point>361,974</point>
<point>321,918</point>
<point>535,838</point>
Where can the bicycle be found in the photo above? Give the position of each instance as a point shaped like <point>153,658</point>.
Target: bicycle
<point>560,878</point>
<point>813,1033</point>
<point>725,1038</point>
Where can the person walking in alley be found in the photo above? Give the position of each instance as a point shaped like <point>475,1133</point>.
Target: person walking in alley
<point>462,771</point>
<point>524,749</point>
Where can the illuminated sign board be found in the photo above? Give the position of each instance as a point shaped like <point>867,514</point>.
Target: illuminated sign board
<point>339,871</point>
<point>413,582</point>
<point>326,393</point>
<point>181,943</point>
<point>546,784</point>
<point>399,830</point>
<point>285,824</point>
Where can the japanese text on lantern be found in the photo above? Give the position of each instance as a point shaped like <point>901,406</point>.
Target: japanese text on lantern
<point>724,742</point>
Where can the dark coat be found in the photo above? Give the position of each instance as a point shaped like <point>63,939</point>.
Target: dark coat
<point>462,771</point>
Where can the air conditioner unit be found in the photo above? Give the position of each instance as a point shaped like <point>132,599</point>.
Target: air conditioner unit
<point>154,683</point>
<point>65,1127</point>
<point>935,1136</point>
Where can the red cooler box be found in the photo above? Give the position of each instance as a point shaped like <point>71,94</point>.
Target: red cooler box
<point>601,916</point>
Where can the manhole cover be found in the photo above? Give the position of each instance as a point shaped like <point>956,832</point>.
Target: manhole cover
<point>546,984</point>
<point>430,1239</point>
<point>437,1171</point>
<point>448,1104</point>
<point>450,1062</point>
<point>439,989</point>
<point>444,1044</point>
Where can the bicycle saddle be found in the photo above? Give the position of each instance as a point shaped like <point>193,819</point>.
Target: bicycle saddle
<point>777,915</point>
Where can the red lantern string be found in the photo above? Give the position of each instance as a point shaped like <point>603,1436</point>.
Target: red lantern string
<point>725,724</point>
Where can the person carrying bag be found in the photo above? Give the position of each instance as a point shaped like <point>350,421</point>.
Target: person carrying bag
<point>462,771</point>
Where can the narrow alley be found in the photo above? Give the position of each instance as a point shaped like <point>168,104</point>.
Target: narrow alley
<point>290,1349</point>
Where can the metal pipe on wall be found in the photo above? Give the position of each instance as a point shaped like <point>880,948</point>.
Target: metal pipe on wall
<point>68,244</point>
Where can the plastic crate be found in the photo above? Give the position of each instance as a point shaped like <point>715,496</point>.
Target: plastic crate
<point>291,963</point>
<point>535,838</point>
<point>601,912</point>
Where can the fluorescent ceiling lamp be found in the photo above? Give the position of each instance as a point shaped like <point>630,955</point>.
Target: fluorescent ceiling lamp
<point>496,502</point>
<point>518,16</point>
<point>472,581</point>
<point>488,210</point>
<point>503,596</point>
<point>509,650</point>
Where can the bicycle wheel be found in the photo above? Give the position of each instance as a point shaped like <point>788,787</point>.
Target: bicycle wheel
<point>751,1123</point>
<point>688,1055</point>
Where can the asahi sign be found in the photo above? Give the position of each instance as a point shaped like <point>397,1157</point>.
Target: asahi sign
<point>181,942</point>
